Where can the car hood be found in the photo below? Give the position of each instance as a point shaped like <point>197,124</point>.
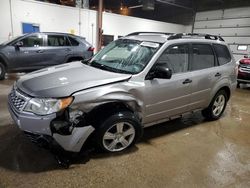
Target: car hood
<point>66,79</point>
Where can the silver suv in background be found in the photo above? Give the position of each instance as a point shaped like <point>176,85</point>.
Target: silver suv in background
<point>38,50</point>
<point>135,82</point>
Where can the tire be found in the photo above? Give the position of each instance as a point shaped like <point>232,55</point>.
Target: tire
<point>238,84</point>
<point>118,132</point>
<point>216,107</point>
<point>2,71</point>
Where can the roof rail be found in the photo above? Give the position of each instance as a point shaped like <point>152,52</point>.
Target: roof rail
<point>199,35</point>
<point>150,33</point>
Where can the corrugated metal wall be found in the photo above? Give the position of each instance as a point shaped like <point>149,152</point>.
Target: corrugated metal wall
<point>232,24</point>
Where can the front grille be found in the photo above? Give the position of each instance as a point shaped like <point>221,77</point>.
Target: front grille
<point>17,100</point>
<point>244,68</point>
<point>32,137</point>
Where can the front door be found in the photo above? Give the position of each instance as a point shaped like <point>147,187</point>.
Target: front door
<point>29,55</point>
<point>165,98</point>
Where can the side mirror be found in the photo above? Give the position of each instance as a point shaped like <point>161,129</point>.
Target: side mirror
<point>160,71</point>
<point>19,44</point>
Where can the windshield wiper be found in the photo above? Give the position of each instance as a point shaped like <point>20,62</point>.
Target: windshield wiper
<point>86,61</point>
<point>107,68</point>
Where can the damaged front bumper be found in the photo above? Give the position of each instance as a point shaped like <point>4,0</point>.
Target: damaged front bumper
<point>68,129</point>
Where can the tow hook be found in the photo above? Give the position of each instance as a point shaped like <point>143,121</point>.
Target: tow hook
<point>63,162</point>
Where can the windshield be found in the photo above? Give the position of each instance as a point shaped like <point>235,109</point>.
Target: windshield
<point>125,56</point>
<point>11,40</point>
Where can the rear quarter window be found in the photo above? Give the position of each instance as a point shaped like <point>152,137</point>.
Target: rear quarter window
<point>73,41</point>
<point>222,53</point>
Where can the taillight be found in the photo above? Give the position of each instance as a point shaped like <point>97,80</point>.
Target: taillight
<point>91,49</point>
<point>245,61</point>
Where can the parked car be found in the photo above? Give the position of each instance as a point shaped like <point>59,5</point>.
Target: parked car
<point>243,71</point>
<point>134,82</point>
<point>38,50</point>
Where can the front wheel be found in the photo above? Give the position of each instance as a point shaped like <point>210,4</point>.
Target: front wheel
<point>118,132</point>
<point>238,84</point>
<point>216,107</point>
<point>2,71</point>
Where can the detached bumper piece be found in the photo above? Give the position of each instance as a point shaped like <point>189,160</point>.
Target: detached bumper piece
<point>71,131</point>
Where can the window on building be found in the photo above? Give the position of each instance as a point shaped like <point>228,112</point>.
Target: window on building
<point>242,47</point>
<point>30,28</point>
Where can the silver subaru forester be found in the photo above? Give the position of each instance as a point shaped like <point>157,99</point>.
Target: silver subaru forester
<point>136,81</point>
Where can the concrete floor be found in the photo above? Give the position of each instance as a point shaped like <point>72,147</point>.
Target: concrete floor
<point>189,152</point>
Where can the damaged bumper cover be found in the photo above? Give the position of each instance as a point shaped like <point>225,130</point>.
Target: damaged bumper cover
<point>69,133</point>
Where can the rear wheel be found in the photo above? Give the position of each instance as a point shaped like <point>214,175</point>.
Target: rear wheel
<point>2,71</point>
<point>118,132</point>
<point>216,107</point>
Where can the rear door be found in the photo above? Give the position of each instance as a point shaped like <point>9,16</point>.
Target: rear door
<point>58,49</point>
<point>205,74</point>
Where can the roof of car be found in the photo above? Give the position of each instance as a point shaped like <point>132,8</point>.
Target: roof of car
<point>164,37</point>
<point>54,33</point>
<point>149,37</point>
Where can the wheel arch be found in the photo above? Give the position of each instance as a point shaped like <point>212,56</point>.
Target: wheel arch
<point>107,109</point>
<point>3,61</point>
<point>227,90</point>
<point>74,58</point>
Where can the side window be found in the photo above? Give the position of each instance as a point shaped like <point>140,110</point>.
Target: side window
<point>58,40</point>
<point>222,53</point>
<point>203,57</point>
<point>73,42</point>
<point>32,41</point>
<point>175,58</point>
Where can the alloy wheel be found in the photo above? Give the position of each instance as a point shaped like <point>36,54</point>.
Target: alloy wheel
<point>218,105</point>
<point>119,136</point>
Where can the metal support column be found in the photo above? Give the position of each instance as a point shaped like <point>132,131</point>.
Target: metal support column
<point>99,25</point>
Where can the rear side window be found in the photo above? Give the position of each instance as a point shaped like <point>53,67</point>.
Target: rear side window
<point>203,57</point>
<point>58,40</point>
<point>175,58</point>
<point>32,41</point>
<point>222,53</point>
<point>73,42</point>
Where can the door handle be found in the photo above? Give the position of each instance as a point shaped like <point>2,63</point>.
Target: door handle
<point>67,49</point>
<point>187,81</point>
<point>217,74</point>
<point>39,51</point>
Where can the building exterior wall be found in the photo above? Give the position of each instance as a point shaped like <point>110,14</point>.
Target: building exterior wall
<point>58,18</point>
<point>232,24</point>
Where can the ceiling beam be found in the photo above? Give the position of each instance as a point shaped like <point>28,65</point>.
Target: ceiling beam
<point>174,4</point>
